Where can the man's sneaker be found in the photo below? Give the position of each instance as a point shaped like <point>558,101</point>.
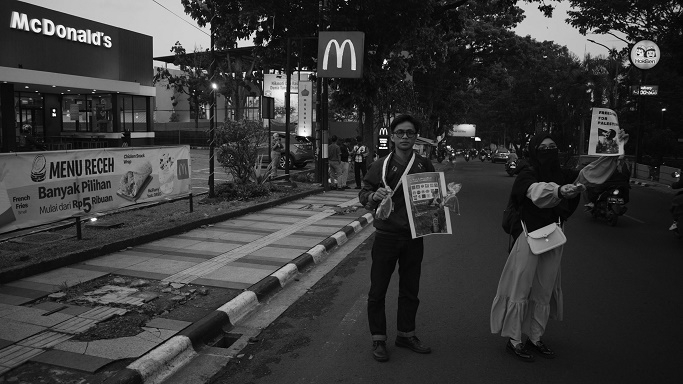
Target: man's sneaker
<point>412,343</point>
<point>379,350</point>
<point>673,226</point>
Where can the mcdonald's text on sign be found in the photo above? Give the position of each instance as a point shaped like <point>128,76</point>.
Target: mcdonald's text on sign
<point>340,54</point>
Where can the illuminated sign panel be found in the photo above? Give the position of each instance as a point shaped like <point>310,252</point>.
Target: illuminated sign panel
<point>48,28</point>
<point>340,54</point>
<point>644,90</point>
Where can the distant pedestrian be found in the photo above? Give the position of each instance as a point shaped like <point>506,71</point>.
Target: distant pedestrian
<point>344,157</point>
<point>393,240</point>
<point>334,159</point>
<point>276,149</point>
<point>360,154</point>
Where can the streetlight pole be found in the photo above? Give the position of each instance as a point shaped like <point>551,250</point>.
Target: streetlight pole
<point>212,114</point>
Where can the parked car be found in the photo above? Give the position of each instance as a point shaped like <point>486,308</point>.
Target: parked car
<point>500,156</point>
<point>301,151</point>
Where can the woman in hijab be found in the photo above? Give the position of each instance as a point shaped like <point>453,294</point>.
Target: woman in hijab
<point>529,291</point>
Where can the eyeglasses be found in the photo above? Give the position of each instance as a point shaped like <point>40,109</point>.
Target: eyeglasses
<point>547,147</point>
<point>408,134</point>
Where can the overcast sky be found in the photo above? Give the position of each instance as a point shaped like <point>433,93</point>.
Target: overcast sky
<point>166,22</point>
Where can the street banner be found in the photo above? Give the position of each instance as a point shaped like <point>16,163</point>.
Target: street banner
<point>428,202</point>
<point>604,134</point>
<point>43,187</point>
<point>305,127</point>
<point>463,130</point>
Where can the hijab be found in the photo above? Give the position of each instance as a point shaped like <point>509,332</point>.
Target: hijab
<point>546,164</point>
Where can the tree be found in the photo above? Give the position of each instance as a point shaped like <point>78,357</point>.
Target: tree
<point>192,81</point>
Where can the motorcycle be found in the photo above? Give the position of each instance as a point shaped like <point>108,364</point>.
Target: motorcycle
<point>610,204</point>
<point>511,167</point>
<point>451,155</point>
<point>483,156</point>
<point>466,156</point>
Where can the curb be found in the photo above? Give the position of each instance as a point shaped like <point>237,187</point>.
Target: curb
<point>180,348</point>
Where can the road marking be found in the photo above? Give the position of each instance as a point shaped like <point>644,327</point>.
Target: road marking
<point>634,219</point>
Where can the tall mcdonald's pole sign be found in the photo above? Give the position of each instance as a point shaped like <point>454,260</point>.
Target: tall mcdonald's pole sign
<point>340,54</point>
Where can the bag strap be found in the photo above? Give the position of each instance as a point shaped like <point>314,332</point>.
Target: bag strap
<point>384,171</point>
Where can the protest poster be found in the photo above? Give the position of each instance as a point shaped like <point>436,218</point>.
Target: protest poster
<point>425,195</point>
<point>604,134</point>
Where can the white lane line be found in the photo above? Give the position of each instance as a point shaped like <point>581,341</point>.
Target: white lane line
<point>634,219</point>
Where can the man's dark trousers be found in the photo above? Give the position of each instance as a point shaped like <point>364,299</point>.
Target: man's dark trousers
<point>386,251</point>
<point>357,169</point>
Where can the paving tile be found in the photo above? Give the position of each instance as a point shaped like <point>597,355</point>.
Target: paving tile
<point>163,266</point>
<point>45,339</point>
<point>33,285</point>
<point>156,335</point>
<point>131,301</point>
<point>4,343</point>
<point>71,360</point>
<point>36,316</point>
<point>74,310</point>
<point>102,313</point>
<point>238,274</point>
<point>14,355</point>
<point>170,324</point>
<point>241,237</point>
<point>4,369</point>
<point>14,300</point>
<point>70,276</point>
<point>213,249</point>
<point>299,241</point>
<point>7,308</point>
<point>142,274</point>
<point>277,253</point>
<point>146,296</point>
<point>251,265</point>
<point>117,260</point>
<point>15,331</point>
<point>47,306</point>
<point>171,242</point>
<point>221,283</point>
<point>22,292</point>
<point>74,325</point>
<point>72,346</point>
<point>271,226</point>
<point>259,218</point>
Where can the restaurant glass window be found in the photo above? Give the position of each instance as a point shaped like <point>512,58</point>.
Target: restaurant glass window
<point>133,113</point>
<point>29,116</point>
<point>100,114</point>
<point>74,116</point>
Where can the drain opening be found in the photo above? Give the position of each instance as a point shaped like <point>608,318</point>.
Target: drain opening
<point>223,340</point>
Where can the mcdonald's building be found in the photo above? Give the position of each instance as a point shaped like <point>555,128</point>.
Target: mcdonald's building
<point>67,82</point>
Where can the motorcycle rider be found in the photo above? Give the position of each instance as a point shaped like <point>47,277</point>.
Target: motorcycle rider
<point>620,178</point>
<point>677,205</point>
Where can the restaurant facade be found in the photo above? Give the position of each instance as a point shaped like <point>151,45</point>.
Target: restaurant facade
<point>69,83</point>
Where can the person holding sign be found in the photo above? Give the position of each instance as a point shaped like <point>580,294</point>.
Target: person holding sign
<point>382,191</point>
<point>529,290</point>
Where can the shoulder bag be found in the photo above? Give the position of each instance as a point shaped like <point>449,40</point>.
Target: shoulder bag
<point>544,239</point>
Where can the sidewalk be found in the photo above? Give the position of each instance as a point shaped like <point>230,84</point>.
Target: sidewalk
<point>247,258</point>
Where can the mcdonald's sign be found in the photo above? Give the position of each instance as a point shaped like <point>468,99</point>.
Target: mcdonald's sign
<point>340,54</point>
<point>383,147</point>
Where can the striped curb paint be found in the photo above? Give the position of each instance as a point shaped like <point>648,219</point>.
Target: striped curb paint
<point>156,365</point>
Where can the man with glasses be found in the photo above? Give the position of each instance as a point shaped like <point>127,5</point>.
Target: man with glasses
<point>393,241</point>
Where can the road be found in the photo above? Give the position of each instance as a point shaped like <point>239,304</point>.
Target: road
<point>623,306</point>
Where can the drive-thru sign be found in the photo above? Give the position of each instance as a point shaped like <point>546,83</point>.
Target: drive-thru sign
<point>340,54</point>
